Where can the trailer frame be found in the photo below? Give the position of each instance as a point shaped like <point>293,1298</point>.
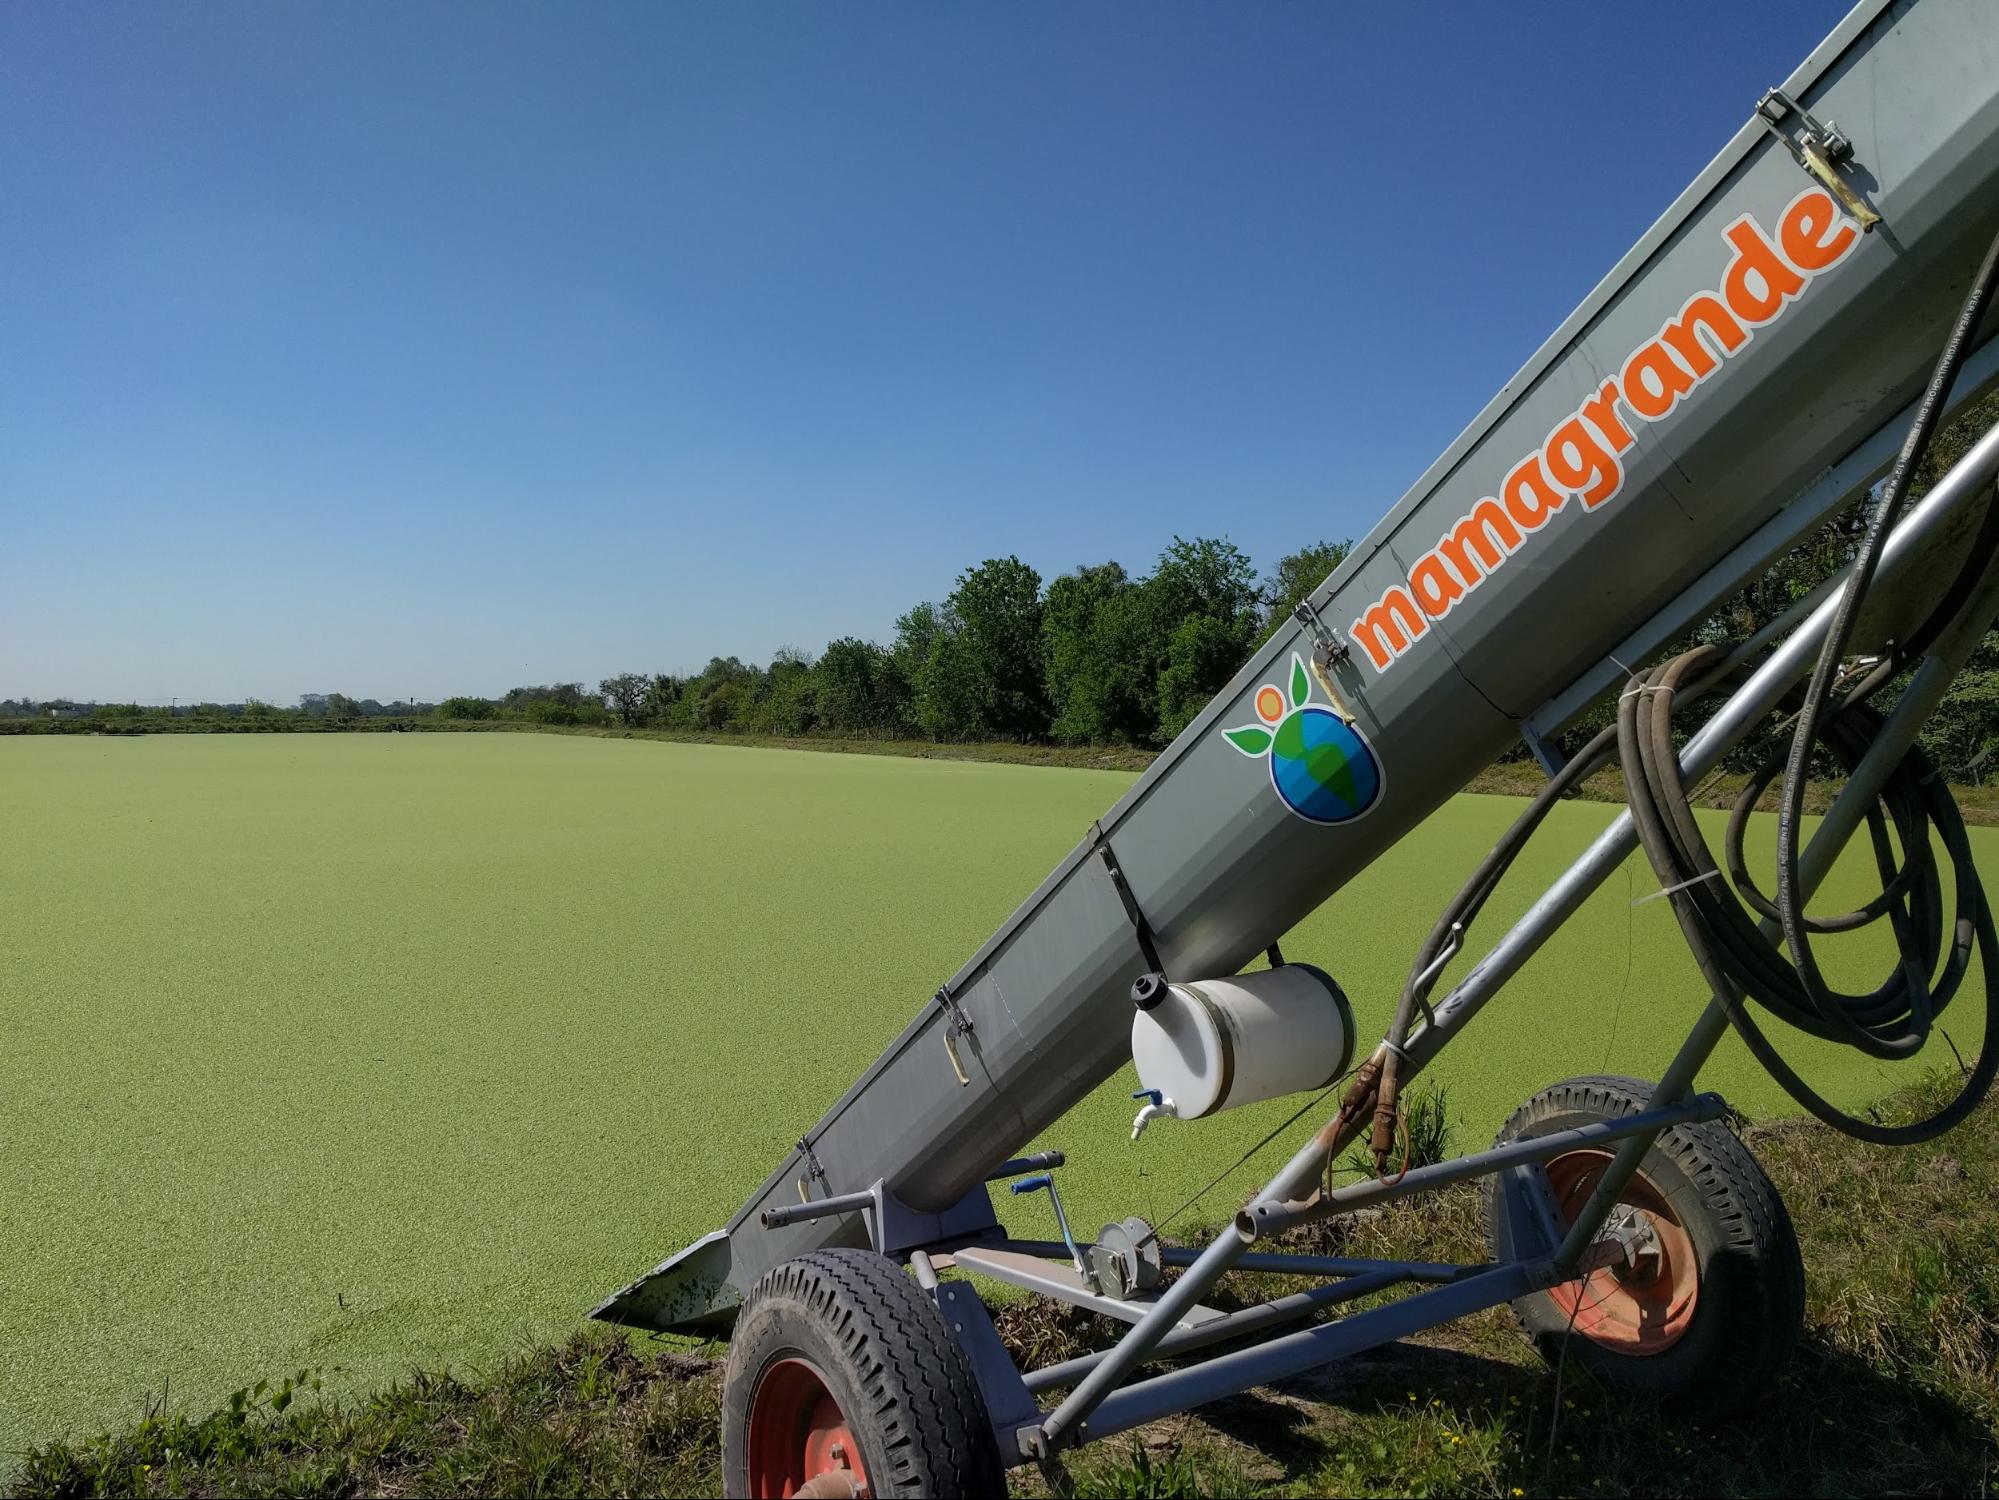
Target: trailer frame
<point>1103,1397</point>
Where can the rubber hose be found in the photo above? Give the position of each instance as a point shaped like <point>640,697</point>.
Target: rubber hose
<point>1736,958</point>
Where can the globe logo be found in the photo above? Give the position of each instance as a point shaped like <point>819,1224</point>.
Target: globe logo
<point>1320,766</point>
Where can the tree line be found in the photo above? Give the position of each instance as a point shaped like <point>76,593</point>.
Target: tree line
<point>1098,655</point>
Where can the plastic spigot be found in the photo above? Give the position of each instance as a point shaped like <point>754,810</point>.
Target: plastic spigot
<point>1161,1108</point>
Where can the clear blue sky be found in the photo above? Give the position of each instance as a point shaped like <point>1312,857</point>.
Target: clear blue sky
<point>421,349</point>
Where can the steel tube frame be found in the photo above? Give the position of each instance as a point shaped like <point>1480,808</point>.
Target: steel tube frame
<point>817,1208</point>
<point>1264,1262</point>
<point>1307,1349</point>
<point>1787,662</point>
<point>1266,1217</point>
<point>1271,1314</point>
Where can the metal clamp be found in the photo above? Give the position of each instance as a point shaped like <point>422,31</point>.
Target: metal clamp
<point>1819,148</point>
<point>1329,650</point>
<point>958,1024</point>
<point>814,1172</point>
<point>1329,647</point>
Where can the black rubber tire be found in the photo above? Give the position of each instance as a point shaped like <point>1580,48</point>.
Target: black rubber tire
<point>1750,1310</point>
<point>902,1381</point>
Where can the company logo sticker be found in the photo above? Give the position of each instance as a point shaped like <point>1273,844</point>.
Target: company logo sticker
<point>1321,767</point>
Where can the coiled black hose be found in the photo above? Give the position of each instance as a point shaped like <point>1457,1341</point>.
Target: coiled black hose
<point>1894,1019</point>
<point>1737,959</point>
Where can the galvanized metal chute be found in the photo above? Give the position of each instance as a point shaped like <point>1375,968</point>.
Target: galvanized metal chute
<point>1747,369</point>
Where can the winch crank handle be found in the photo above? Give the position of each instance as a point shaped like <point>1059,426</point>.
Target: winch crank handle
<point>1159,1108</point>
<point>1045,1182</point>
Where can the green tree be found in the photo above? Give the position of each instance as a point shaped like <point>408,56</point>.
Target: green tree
<point>997,646</point>
<point>1073,663</point>
<point>663,700</point>
<point>951,693</point>
<point>1294,578</point>
<point>789,698</point>
<point>860,690</point>
<point>465,708</point>
<point>626,695</point>
<point>1204,576</point>
<point>722,695</point>
<point>915,633</point>
<point>1204,610</point>
<point>1203,653</point>
<point>561,694</point>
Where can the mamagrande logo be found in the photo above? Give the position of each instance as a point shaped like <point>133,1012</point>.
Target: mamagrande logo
<point>1322,768</point>
<point>1580,458</point>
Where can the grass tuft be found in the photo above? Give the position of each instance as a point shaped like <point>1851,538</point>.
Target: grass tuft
<point>591,1415</point>
<point>1896,1390</point>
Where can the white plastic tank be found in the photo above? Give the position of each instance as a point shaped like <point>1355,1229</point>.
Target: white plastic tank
<point>1223,1043</point>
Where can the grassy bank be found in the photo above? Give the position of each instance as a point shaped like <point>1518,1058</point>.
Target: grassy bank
<point>1000,752</point>
<point>1512,778</point>
<point>1895,1392</point>
<point>1515,778</point>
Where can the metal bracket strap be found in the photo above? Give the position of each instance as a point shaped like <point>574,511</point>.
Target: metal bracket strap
<point>1141,927</point>
<point>1550,758</point>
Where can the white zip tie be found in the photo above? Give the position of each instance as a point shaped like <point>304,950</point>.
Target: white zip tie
<point>1655,895</point>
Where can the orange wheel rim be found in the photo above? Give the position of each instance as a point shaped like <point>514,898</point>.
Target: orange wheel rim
<point>798,1435</point>
<point>1642,1308</point>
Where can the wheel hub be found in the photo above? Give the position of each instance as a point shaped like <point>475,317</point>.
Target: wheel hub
<point>1640,1297</point>
<point>799,1442</point>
